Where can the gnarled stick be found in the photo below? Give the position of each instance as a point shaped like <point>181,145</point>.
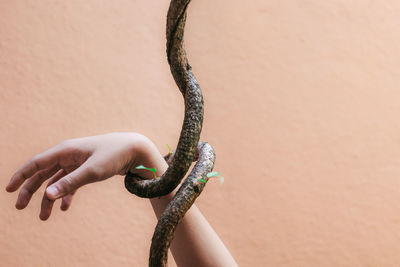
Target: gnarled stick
<point>188,148</point>
<point>194,110</point>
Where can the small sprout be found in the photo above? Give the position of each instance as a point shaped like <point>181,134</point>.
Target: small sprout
<point>213,174</point>
<point>169,149</point>
<point>141,167</point>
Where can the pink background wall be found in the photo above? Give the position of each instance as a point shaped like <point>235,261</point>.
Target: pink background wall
<point>302,106</point>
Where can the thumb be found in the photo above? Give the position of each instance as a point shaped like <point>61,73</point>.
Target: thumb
<point>85,174</point>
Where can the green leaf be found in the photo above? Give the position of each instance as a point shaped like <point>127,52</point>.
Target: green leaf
<point>169,149</point>
<point>141,167</point>
<point>203,180</point>
<point>213,174</point>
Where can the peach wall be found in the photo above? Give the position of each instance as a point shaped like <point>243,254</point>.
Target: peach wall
<point>302,106</point>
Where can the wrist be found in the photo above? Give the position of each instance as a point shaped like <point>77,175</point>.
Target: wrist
<point>146,153</point>
<point>160,203</point>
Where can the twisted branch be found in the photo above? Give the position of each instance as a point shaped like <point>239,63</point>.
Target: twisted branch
<point>179,205</point>
<point>189,149</point>
<point>192,123</point>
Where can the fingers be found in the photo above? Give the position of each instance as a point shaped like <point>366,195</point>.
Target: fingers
<point>32,185</point>
<point>47,204</point>
<point>46,207</point>
<point>66,202</point>
<point>39,162</point>
<point>85,174</point>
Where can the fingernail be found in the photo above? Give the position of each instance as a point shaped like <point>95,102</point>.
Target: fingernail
<point>52,191</point>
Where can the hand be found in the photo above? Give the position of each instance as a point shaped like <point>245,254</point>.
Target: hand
<point>74,163</point>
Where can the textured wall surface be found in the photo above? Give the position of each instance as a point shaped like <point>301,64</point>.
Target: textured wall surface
<point>302,106</point>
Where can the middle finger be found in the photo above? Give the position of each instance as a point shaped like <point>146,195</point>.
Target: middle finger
<point>33,184</point>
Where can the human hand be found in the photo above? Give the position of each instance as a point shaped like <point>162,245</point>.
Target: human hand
<point>74,163</point>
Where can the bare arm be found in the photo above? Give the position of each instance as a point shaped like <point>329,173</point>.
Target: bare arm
<point>77,162</point>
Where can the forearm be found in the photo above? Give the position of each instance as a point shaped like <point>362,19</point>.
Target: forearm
<point>195,243</point>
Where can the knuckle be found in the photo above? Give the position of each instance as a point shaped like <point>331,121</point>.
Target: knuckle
<point>24,192</point>
<point>65,184</point>
<point>34,158</point>
<point>29,189</point>
<point>41,176</point>
<point>34,161</point>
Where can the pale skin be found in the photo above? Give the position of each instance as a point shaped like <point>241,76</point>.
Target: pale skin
<point>77,162</point>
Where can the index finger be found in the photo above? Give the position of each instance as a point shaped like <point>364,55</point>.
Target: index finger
<point>38,162</point>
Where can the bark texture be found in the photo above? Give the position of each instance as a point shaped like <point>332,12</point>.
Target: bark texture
<point>188,150</point>
<point>191,128</point>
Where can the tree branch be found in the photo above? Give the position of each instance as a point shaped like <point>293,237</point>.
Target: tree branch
<point>189,149</point>
<point>192,124</point>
